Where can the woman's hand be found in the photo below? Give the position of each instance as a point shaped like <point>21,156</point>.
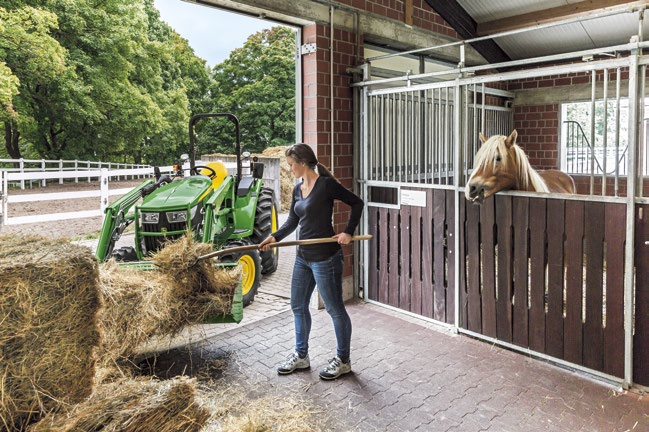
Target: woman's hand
<point>343,238</point>
<point>265,245</point>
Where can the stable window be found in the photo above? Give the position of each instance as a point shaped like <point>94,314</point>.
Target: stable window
<point>597,146</point>
<point>601,145</point>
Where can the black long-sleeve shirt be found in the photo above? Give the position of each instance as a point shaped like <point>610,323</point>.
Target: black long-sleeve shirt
<point>313,215</point>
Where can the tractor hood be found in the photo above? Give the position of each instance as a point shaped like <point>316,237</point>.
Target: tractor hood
<point>178,194</point>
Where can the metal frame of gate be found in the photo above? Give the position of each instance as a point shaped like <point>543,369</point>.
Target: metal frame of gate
<point>416,150</point>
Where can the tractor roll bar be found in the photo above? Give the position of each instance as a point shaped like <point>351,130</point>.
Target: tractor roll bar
<point>192,147</point>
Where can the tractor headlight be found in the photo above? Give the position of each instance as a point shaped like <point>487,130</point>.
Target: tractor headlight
<point>150,218</point>
<point>177,216</point>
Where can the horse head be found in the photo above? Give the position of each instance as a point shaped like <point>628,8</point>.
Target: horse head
<point>494,169</point>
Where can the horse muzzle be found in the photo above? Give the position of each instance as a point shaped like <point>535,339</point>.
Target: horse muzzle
<point>475,193</point>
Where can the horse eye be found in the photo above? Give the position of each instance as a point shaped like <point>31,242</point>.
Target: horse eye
<point>498,158</point>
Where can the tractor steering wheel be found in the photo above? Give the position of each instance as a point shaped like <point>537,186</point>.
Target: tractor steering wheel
<point>211,174</point>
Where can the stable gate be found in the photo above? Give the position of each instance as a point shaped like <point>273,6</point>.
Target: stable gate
<point>560,277</point>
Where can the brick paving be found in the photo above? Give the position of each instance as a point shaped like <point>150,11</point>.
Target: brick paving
<point>408,374</point>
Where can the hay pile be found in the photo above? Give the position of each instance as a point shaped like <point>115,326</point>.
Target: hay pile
<point>49,298</point>
<point>69,325</point>
<point>139,305</point>
<point>70,329</point>
<point>142,405</point>
<point>287,179</point>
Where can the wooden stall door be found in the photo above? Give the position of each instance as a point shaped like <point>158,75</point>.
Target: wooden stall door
<point>411,254</point>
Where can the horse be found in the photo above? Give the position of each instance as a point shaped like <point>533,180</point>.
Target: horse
<point>501,164</point>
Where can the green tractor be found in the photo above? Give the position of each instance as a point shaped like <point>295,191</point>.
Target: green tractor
<point>218,208</point>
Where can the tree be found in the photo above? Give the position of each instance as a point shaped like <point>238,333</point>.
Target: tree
<point>123,88</point>
<point>257,84</point>
<point>29,59</point>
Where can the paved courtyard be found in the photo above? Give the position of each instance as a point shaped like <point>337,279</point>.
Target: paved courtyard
<point>408,374</point>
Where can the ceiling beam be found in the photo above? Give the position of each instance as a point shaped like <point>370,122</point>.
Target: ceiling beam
<point>584,9</point>
<point>455,15</point>
<point>373,28</point>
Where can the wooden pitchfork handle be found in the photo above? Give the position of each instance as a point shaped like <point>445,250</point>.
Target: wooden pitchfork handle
<point>278,244</point>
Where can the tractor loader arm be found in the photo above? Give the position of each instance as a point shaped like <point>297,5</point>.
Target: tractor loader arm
<point>219,218</point>
<point>116,219</point>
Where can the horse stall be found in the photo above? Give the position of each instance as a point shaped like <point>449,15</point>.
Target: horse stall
<point>559,276</point>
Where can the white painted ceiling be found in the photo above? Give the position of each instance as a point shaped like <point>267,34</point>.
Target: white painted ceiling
<point>582,35</point>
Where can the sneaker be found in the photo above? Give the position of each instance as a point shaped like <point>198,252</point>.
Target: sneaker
<point>335,368</point>
<point>293,362</point>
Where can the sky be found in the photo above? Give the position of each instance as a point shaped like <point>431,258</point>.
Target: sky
<point>212,33</point>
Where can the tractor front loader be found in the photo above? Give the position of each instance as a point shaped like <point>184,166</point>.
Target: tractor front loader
<point>217,208</point>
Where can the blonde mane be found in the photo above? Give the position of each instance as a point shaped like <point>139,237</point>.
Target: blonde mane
<point>526,175</point>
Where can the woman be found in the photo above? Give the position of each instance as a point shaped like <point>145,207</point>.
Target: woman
<point>319,264</point>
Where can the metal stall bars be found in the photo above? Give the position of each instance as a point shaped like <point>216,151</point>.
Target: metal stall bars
<point>512,286</point>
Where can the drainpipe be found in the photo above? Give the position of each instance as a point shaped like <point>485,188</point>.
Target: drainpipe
<point>331,87</point>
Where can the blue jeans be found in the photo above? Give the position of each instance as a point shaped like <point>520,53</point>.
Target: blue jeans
<point>327,275</point>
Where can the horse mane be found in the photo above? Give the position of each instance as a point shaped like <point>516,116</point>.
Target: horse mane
<point>526,175</point>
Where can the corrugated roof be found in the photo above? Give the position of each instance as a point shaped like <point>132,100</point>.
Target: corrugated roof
<point>582,35</point>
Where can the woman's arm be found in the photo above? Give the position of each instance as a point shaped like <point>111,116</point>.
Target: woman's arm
<point>341,193</point>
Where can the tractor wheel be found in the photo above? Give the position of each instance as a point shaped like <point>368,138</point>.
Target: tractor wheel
<point>126,253</point>
<point>250,263</point>
<point>266,223</point>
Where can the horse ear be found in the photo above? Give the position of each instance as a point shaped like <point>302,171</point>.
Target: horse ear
<point>483,138</point>
<point>511,139</point>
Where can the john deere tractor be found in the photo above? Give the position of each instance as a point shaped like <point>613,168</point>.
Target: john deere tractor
<point>218,208</point>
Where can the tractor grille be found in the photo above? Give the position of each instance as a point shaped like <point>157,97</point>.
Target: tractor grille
<point>153,244</point>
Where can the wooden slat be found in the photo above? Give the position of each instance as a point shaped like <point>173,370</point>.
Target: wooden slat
<point>615,233</point>
<point>538,263</point>
<point>488,241</point>
<point>408,12</point>
<point>372,267</point>
<point>641,338</point>
<point>383,228</point>
<point>429,257</point>
<point>520,293</point>
<point>450,256</point>
<point>416,260</point>
<point>393,252</point>
<point>573,326</point>
<point>473,319</point>
<point>594,254</point>
<point>505,259</point>
<point>439,236</point>
<point>554,318</point>
<point>404,259</point>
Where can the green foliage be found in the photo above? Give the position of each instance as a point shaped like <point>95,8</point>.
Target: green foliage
<point>31,59</point>
<point>108,80</point>
<point>257,84</point>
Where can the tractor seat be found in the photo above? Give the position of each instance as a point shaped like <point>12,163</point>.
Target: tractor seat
<point>220,170</point>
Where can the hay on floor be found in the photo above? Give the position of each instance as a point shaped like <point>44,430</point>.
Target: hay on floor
<point>139,305</point>
<point>137,405</point>
<point>49,299</point>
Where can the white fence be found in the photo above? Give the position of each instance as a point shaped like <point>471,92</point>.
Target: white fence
<point>42,175</point>
<point>60,166</point>
<point>103,175</point>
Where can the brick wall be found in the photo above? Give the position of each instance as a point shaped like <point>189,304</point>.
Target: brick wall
<point>317,112</point>
<point>316,89</point>
<point>538,131</point>
<point>422,14</point>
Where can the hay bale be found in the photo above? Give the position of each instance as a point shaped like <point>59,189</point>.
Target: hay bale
<point>286,177</point>
<point>139,305</point>
<point>137,405</point>
<point>49,300</point>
